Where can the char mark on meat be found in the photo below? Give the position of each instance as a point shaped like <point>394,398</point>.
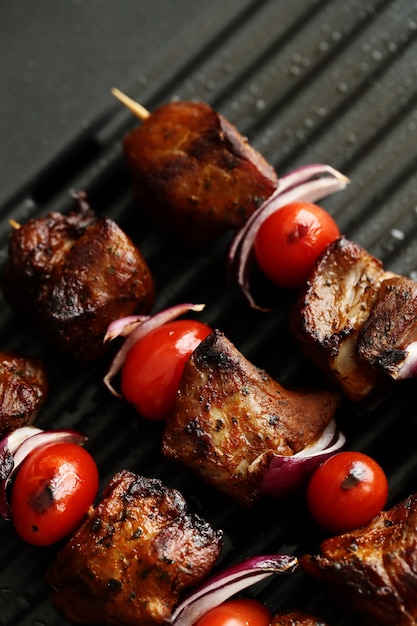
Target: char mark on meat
<point>194,173</point>
<point>373,571</point>
<point>391,328</point>
<point>357,321</point>
<point>23,390</point>
<point>71,275</point>
<point>134,556</point>
<point>230,416</point>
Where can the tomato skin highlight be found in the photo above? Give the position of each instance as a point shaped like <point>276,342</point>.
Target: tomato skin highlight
<point>240,612</point>
<point>52,492</point>
<point>153,366</point>
<point>346,492</point>
<point>290,241</point>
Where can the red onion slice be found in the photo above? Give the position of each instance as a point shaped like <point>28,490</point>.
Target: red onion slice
<point>286,475</point>
<point>306,184</point>
<point>133,329</point>
<point>16,446</point>
<point>228,582</point>
<point>124,326</point>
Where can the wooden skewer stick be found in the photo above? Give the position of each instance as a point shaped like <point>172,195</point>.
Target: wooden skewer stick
<point>135,107</point>
<point>14,224</point>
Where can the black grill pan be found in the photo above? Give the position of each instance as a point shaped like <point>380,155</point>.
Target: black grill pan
<point>320,81</point>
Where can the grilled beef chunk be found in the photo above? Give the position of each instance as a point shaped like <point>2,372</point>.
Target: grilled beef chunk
<point>72,275</point>
<point>137,551</point>
<point>230,415</point>
<point>373,570</point>
<point>331,312</point>
<point>23,390</point>
<point>391,328</point>
<point>296,618</point>
<point>194,173</point>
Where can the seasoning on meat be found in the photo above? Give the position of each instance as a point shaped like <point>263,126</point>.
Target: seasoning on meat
<point>373,570</point>
<point>133,557</point>
<point>71,275</point>
<point>391,328</point>
<point>23,390</point>
<point>331,312</point>
<point>229,414</point>
<point>296,618</point>
<point>194,173</point>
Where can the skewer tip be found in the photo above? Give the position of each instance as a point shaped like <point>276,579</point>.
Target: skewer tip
<point>14,224</point>
<point>133,106</point>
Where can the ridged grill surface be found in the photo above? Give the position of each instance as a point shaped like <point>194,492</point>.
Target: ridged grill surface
<point>319,81</point>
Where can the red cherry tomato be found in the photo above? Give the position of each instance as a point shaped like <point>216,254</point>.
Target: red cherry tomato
<point>289,242</point>
<point>347,491</point>
<point>52,492</point>
<point>152,370</point>
<point>244,612</point>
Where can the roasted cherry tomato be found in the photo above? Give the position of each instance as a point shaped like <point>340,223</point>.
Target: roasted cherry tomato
<point>290,241</point>
<point>152,370</point>
<point>52,492</point>
<point>245,612</point>
<point>347,491</point>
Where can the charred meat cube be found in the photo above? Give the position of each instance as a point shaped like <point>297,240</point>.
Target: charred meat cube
<point>229,414</point>
<point>373,570</point>
<point>332,310</point>
<point>133,557</point>
<point>194,173</point>
<point>387,337</point>
<point>23,390</point>
<point>72,275</point>
<point>296,618</point>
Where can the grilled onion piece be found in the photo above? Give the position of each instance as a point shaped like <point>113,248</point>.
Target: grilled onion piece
<point>228,582</point>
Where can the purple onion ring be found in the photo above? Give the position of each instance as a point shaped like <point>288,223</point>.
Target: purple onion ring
<point>287,475</point>
<point>305,184</point>
<point>228,582</point>
<point>134,328</point>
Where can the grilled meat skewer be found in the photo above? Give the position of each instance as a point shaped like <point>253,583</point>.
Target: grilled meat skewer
<point>194,173</point>
<point>230,416</point>
<point>133,557</point>
<point>71,275</point>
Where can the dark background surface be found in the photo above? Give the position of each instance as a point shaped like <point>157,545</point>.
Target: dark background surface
<point>320,81</point>
<point>60,59</point>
